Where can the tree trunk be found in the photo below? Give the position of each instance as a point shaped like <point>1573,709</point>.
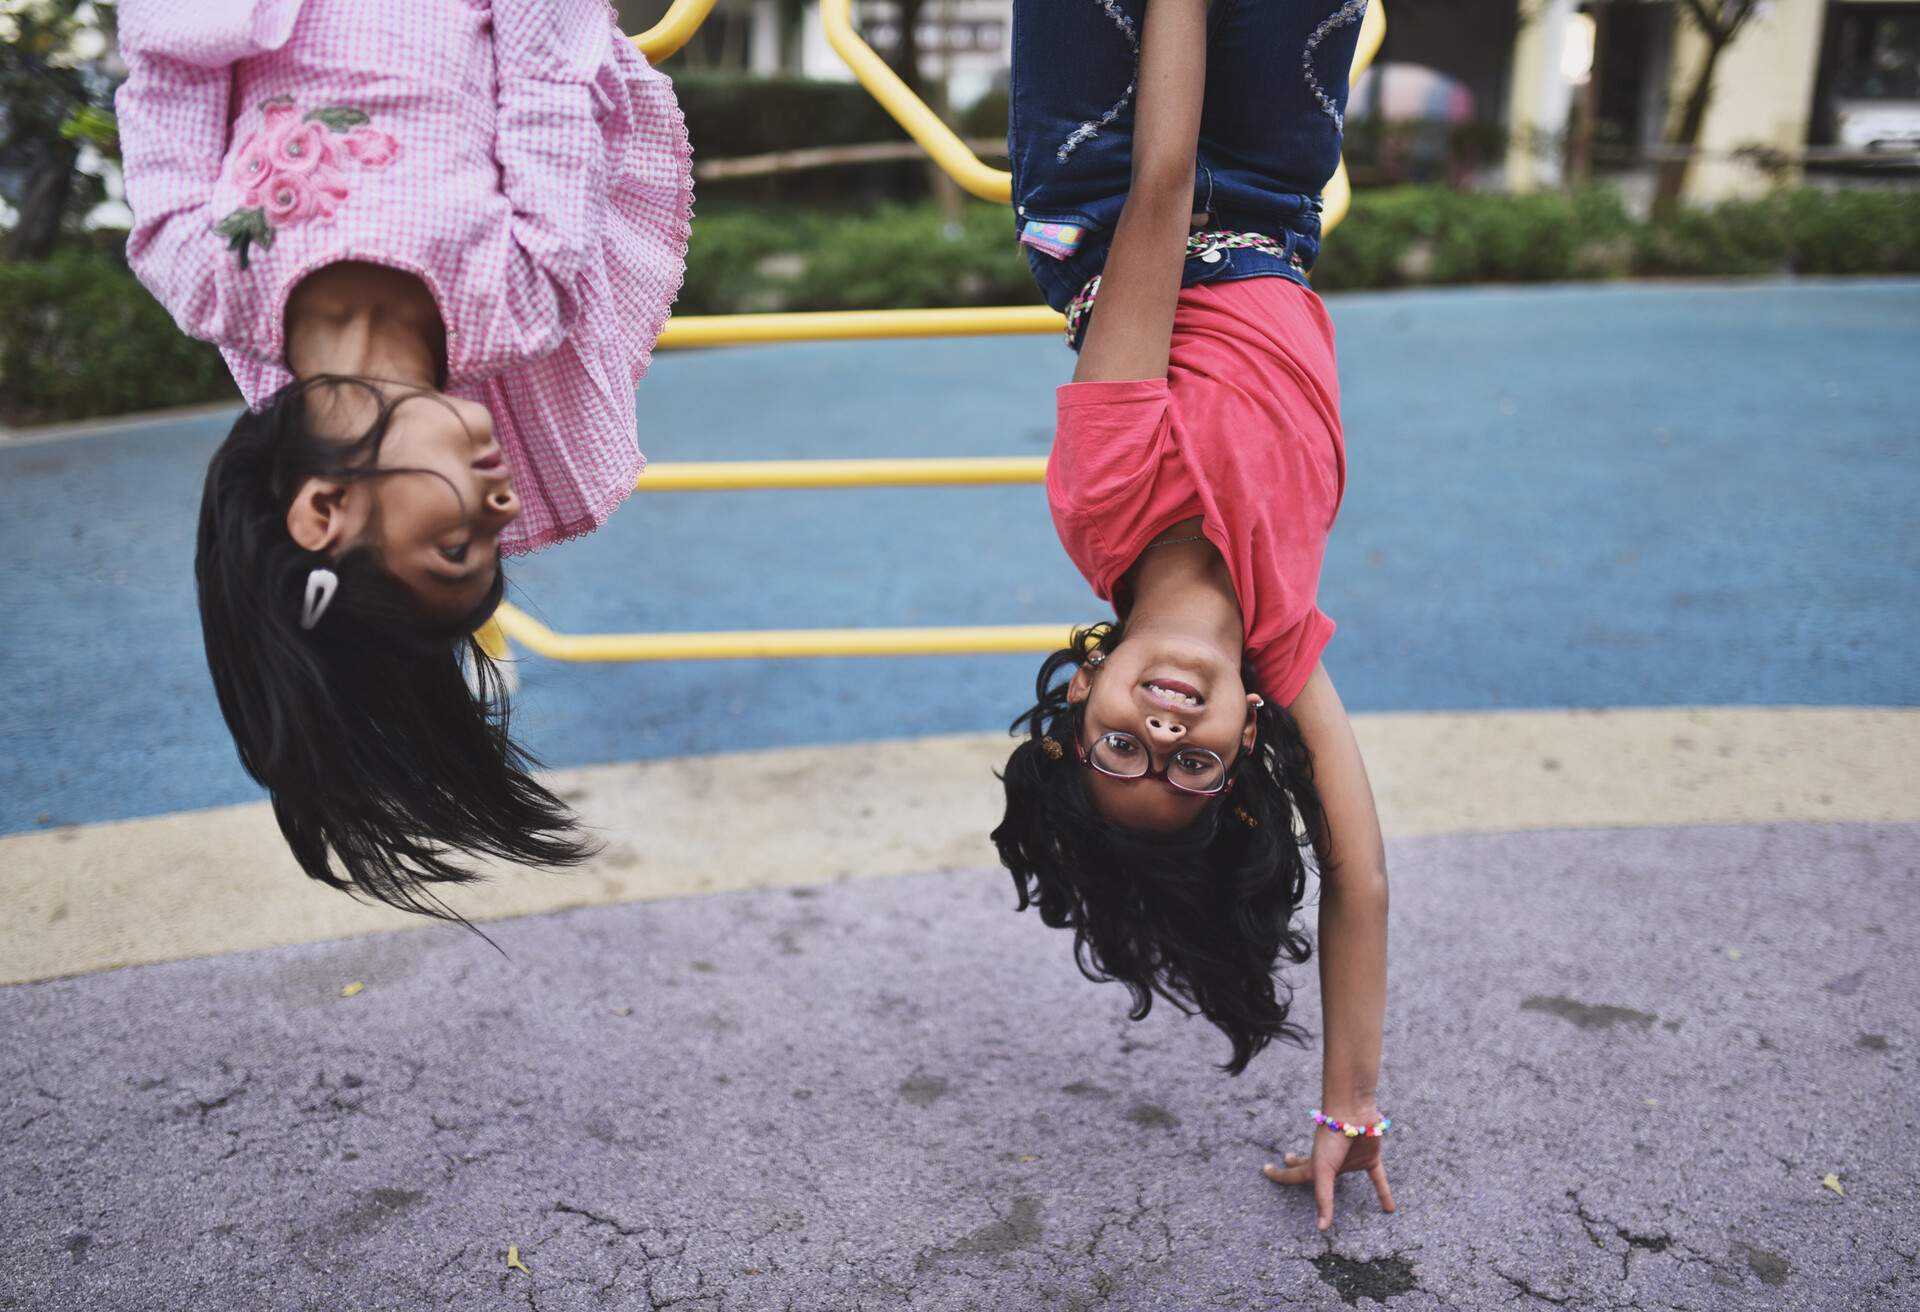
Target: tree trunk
<point>906,60</point>
<point>1672,178</point>
<point>45,203</point>
<point>1586,108</point>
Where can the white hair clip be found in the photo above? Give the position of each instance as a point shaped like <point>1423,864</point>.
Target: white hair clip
<point>321,585</point>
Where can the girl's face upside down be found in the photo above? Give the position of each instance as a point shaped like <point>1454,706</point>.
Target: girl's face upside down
<point>437,514</point>
<point>1169,692</point>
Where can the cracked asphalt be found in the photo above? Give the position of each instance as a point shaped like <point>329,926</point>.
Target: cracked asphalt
<point>1621,1064</point>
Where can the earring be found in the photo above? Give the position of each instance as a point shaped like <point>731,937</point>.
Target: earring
<point>1258,701</point>
<point>1096,658</point>
<point>1052,748</point>
<point>1240,814</point>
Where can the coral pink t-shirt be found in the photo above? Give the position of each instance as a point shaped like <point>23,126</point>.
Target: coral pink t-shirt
<point>1243,432</point>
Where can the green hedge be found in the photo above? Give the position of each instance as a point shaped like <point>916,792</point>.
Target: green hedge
<point>80,337</point>
<point>1422,236</point>
<point>749,259</point>
<point>894,257</point>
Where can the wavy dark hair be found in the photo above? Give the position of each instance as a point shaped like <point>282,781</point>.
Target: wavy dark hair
<point>1201,918</point>
<point>382,758</point>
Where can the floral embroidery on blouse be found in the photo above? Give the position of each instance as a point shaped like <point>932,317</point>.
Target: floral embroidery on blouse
<point>290,169</point>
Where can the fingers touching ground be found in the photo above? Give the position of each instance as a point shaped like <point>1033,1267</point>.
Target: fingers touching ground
<point>1298,1169</point>
<point>1378,1174</point>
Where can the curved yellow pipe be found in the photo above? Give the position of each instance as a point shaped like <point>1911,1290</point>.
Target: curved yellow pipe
<point>909,111</point>
<point>675,28</point>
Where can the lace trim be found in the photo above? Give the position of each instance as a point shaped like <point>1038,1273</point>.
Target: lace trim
<point>682,234</point>
<point>597,514</point>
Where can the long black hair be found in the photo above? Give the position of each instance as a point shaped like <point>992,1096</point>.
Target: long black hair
<point>382,759</point>
<point>1202,917</point>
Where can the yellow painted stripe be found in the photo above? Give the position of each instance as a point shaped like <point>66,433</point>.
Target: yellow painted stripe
<point>100,896</point>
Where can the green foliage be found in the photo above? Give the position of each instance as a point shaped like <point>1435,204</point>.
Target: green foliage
<point>1735,238</point>
<point>729,250</point>
<point>1853,231</point>
<point>80,337</point>
<point>894,257</point>
<point>56,94</point>
<point>901,256</point>
<point>1422,235</point>
<point>94,126</point>
<point>905,257</point>
<point>1386,240</point>
<point>1527,239</point>
<point>986,117</point>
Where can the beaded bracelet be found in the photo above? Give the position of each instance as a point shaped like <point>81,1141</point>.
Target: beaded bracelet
<point>1353,1131</point>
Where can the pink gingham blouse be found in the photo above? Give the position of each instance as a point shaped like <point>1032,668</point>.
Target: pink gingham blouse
<point>518,156</point>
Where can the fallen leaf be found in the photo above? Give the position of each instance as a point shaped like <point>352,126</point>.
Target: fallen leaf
<point>1029,1157</point>
<point>352,989</point>
<point>622,1011</point>
<point>1733,954</point>
<point>513,1259</point>
<point>1651,1102</point>
<point>1833,1182</point>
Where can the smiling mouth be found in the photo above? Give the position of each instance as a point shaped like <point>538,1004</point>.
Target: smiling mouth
<point>1174,695</point>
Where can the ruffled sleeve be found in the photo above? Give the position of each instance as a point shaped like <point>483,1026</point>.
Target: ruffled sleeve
<point>552,155</point>
<point>175,122</point>
<point>567,418</point>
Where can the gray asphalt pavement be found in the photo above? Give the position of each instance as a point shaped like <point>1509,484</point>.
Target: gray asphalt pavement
<point>1621,1064</point>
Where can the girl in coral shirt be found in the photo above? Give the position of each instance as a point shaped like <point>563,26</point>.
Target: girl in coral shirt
<point>1197,467</point>
<point>436,242</point>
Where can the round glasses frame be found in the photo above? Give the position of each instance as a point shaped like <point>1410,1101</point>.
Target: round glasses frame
<point>1086,759</point>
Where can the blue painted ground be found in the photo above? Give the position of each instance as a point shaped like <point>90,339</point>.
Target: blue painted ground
<point>1564,497</point>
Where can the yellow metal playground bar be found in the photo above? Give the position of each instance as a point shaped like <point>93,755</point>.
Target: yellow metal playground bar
<point>659,42</point>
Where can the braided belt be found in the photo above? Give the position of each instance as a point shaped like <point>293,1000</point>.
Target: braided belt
<point>1199,246</point>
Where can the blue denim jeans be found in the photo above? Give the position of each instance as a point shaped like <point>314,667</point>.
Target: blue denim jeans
<point>1269,129</point>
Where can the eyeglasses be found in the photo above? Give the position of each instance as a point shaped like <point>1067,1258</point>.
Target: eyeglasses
<point>1120,755</point>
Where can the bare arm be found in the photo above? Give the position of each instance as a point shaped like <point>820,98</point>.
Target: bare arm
<point>1352,949</point>
<point>1140,284</point>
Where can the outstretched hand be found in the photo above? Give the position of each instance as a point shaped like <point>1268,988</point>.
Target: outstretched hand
<point>1333,1155</point>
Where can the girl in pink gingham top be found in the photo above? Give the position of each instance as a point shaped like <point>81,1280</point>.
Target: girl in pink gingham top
<point>435,241</point>
<point>518,157</point>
